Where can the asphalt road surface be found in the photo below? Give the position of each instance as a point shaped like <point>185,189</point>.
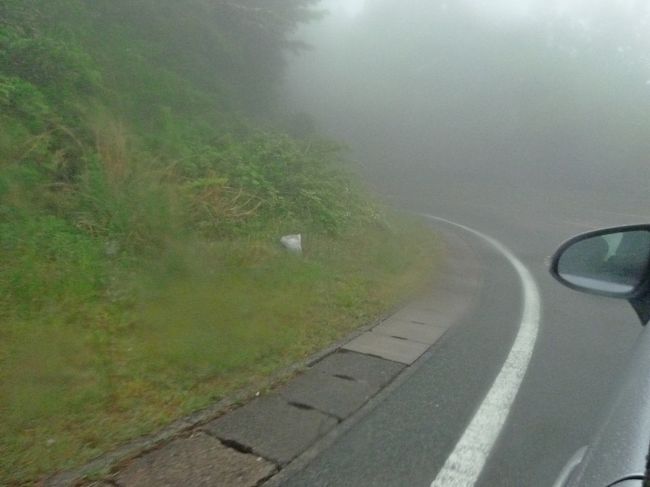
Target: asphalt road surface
<point>582,345</point>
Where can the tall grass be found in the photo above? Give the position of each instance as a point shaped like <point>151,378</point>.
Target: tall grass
<point>123,349</point>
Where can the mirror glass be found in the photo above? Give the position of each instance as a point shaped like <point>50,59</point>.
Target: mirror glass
<point>613,263</point>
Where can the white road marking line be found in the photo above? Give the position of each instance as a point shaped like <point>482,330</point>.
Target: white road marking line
<point>464,465</point>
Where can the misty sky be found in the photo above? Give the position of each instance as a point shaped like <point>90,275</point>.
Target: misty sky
<point>591,16</point>
<point>521,10</point>
<point>520,89</point>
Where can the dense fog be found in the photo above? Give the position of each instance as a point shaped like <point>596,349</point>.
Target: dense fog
<point>522,91</point>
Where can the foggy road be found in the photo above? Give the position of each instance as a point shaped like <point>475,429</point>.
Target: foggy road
<point>584,341</point>
<point>155,156</point>
<point>581,347</point>
<point>526,121</point>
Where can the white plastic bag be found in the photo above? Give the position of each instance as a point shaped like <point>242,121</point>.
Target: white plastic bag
<point>293,243</point>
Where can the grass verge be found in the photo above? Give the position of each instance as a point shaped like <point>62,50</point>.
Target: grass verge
<point>93,369</point>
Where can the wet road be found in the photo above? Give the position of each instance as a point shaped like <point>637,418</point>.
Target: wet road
<point>582,345</point>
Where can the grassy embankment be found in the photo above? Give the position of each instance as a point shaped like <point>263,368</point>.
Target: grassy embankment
<point>95,367</point>
<point>141,276</point>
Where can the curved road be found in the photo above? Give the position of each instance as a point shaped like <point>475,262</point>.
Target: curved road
<point>407,438</point>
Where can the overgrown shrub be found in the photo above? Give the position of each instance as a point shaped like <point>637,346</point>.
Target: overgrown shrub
<point>108,139</point>
<point>272,177</point>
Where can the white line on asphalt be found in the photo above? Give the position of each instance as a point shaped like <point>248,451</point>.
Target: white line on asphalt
<point>468,458</point>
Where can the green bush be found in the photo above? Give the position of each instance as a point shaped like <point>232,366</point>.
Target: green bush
<point>21,100</point>
<point>275,178</point>
<point>60,67</point>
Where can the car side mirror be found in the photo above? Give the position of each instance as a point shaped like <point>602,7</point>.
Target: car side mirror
<point>612,262</point>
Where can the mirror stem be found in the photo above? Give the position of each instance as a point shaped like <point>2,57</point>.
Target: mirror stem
<point>641,305</point>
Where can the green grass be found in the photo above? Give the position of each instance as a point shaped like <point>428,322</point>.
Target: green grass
<point>97,350</point>
<point>140,209</point>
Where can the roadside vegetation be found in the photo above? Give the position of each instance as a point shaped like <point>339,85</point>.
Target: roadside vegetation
<point>146,175</point>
